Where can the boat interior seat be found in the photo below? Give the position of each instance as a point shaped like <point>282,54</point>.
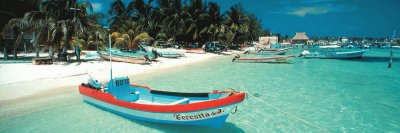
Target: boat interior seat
<point>134,96</point>
<point>182,101</point>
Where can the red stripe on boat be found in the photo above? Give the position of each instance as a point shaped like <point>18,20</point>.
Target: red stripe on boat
<point>106,97</point>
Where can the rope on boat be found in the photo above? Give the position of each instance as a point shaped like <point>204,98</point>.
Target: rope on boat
<point>291,115</point>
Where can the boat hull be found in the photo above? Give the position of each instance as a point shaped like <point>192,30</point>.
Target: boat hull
<point>124,59</point>
<point>214,118</point>
<point>171,53</point>
<point>208,113</point>
<point>336,55</point>
<point>276,59</point>
<point>271,52</point>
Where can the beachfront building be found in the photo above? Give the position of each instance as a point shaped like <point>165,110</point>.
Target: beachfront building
<point>300,38</point>
<point>268,40</point>
<point>7,42</point>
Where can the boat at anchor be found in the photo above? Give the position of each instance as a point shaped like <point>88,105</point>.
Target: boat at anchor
<point>332,52</point>
<point>209,109</point>
<point>271,59</point>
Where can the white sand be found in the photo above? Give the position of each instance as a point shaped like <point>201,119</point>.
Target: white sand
<point>22,80</point>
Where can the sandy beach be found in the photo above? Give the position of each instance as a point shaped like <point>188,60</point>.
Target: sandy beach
<point>23,80</point>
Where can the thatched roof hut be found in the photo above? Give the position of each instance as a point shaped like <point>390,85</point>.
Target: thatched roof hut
<point>300,37</point>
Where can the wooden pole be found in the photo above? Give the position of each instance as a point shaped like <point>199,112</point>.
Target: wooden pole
<point>5,53</point>
<point>391,59</point>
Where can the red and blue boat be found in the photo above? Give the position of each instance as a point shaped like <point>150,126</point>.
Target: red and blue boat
<point>209,109</point>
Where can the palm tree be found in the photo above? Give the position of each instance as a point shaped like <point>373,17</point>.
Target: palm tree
<point>54,23</point>
<point>254,28</point>
<point>236,29</point>
<point>119,14</point>
<point>215,20</point>
<point>175,15</point>
<point>197,21</point>
<point>131,28</point>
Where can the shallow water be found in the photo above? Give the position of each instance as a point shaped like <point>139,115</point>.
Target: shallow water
<point>359,95</point>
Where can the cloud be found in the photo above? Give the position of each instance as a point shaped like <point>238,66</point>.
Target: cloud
<point>97,7</point>
<point>303,11</point>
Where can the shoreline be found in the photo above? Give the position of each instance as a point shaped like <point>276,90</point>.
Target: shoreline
<point>45,80</point>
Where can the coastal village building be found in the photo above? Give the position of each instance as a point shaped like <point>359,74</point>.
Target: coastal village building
<point>7,41</point>
<point>300,38</point>
<point>268,40</point>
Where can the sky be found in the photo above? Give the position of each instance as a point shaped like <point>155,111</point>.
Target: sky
<point>318,18</point>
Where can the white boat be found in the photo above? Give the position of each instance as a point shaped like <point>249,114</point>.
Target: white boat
<point>271,59</point>
<point>332,52</point>
<point>269,51</point>
<point>396,47</point>
<point>170,52</point>
<point>169,49</point>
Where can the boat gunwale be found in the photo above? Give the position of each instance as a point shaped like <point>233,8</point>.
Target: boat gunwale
<point>267,58</point>
<point>191,107</point>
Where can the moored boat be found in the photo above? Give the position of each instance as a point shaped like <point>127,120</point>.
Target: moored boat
<point>169,49</point>
<point>269,51</point>
<point>271,59</point>
<point>133,53</point>
<point>333,52</point>
<point>170,52</point>
<point>209,109</point>
<point>134,60</point>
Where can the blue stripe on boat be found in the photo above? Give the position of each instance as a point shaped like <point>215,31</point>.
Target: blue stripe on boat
<point>215,122</point>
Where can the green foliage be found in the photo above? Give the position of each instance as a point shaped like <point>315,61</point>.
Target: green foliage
<point>55,24</point>
<point>187,22</point>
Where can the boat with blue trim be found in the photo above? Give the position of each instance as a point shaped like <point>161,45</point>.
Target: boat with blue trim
<point>209,109</point>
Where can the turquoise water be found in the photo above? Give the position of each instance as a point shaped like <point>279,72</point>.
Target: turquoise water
<point>360,95</point>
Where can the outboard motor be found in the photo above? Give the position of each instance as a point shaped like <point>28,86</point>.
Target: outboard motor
<point>305,52</point>
<point>92,83</point>
<point>155,53</point>
<point>236,57</point>
<point>146,57</point>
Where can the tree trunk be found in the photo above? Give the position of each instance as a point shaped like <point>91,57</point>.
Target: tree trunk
<point>15,53</point>
<point>51,52</point>
<point>25,48</point>
<point>77,53</point>
<point>37,49</point>
<point>5,53</point>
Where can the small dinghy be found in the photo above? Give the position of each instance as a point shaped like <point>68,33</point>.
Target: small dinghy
<point>272,59</point>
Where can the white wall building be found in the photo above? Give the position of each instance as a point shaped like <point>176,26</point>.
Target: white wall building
<point>268,40</point>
